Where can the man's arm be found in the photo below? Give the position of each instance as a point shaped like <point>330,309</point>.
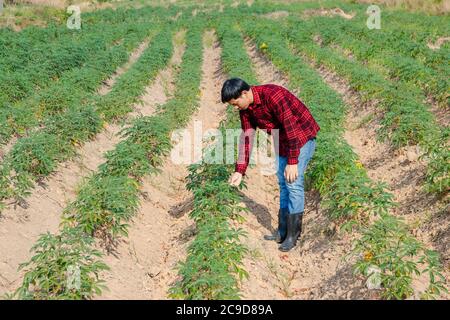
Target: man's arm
<point>245,142</point>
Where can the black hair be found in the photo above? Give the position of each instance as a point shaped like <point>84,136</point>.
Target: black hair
<point>232,89</point>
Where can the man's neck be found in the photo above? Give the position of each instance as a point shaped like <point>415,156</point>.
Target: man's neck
<point>252,100</point>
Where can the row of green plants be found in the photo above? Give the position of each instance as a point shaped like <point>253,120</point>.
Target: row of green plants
<point>107,201</point>
<point>35,57</point>
<point>412,44</point>
<point>406,121</point>
<point>111,196</point>
<point>214,258</point>
<point>335,169</point>
<point>380,55</point>
<point>408,34</point>
<point>71,89</point>
<point>404,32</point>
<point>415,74</point>
<point>388,245</point>
<point>50,62</point>
<point>414,32</point>
<point>36,155</point>
<point>349,196</point>
<point>267,6</point>
<point>76,85</point>
<point>16,53</point>
<point>17,46</point>
<point>435,25</point>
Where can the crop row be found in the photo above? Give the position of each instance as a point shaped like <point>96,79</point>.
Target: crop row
<point>406,121</point>
<point>76,85</point>
<point>27,47</point>
<point>110,198</point>
<point>36,155</point>
<point>349,195</point>
<point>410,33</point>
<point>403,32</point>
<point>214,262</point>
<point>335,169</point>
<point>381,56</point>
<point>34,58</point>
<point>71,89</point>
<point>47,66</point>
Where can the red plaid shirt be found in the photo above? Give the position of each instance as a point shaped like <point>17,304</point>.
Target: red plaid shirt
<point>274,107</point>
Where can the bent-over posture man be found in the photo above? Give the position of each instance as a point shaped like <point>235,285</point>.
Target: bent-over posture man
<point>268,107</point>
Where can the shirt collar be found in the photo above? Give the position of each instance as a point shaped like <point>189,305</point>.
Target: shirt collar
<point>256,97</point>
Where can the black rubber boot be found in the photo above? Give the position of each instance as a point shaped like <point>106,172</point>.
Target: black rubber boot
<point>281,232</point>
<point>294,225</point>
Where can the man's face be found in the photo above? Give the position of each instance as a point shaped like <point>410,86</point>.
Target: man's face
<point>242,102</point>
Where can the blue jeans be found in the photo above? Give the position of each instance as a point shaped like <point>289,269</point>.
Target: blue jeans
<point>292,195</point>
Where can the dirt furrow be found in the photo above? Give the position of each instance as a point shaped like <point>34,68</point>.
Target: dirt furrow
<point>401,170</point>
<point>21,226</point>
<point>109,83</point>
<point>4,149</point>
<point>143,266</point>
<point>315,269</point>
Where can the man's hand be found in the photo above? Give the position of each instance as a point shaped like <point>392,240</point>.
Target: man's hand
<point>235,179</point>
<point>291,173</point>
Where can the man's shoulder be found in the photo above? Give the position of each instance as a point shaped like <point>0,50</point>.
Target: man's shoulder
<point>270,87</point>
<point>270,90</point>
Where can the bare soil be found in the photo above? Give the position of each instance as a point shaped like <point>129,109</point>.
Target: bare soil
<point>327,13</point>
<point>144,264</point>
<point>439,42</point>
<point>316,268</point>
<point>401,170</point>
<point>21,225</point>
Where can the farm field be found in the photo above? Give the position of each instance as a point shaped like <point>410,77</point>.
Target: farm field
<point>93,205</point>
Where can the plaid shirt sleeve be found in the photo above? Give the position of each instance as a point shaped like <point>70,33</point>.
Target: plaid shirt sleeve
<point>245,146</point>
<point>284,105</point>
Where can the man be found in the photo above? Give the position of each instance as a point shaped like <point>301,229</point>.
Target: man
<point>273,107</point>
